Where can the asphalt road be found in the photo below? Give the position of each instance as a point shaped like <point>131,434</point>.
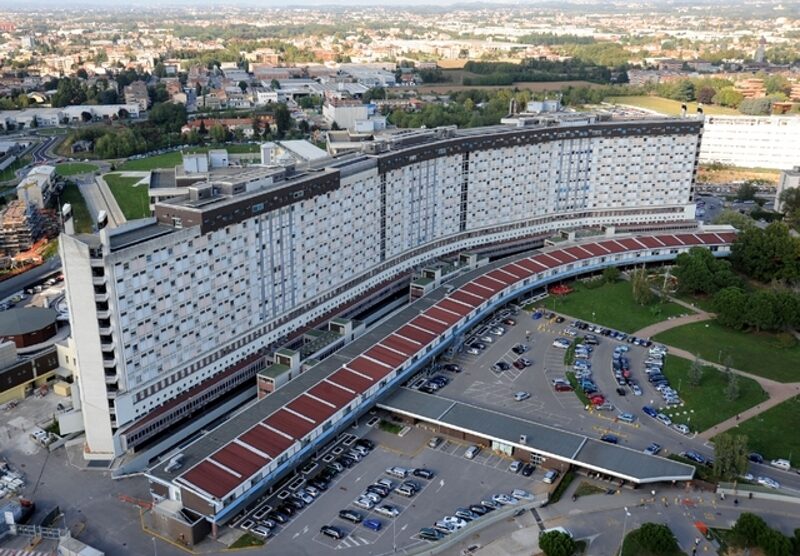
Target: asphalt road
<point>30,278</point>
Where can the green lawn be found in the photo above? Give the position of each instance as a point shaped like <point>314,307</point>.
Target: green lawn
<point>73,168</point>
<point>80,212</point>
<point>670,107</point>
<point>770,433</point>
<point>703,302</point>
<point>10,172</point>
<point>706,405</point>
<point>246,541</point>
<point>172,159</point>
<point>611,305</point>
<point>769,355</point>
<point>52,131</point>
<point>133,201</point>
<point>159,161</point>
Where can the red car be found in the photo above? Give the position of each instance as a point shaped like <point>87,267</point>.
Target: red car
<point>597,400</point>
<point>563,388</point>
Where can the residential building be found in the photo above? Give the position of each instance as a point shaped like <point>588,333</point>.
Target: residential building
<point>179,303</point>
<point>752,141</point>
<point>136,93</point>
<point>790,179</point>
<point>37,187</point>
<point>21,225</point>
<point>751,88</point>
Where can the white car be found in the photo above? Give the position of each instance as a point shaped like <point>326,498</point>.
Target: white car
<point>637,391</point>
<point>504,499</point>
<point>456,522</point>
<point>664,419</point>
<point>486,339</point>
<point>387,510</point>
<point>767,482</point>
<point>562,343</point>
<point>515,466</point>
<point>683,429</point>
<point>372,496</point>
<point>520,494</point>
<point>473,351</point>
<point>365,503</point>
<point>520,396</point>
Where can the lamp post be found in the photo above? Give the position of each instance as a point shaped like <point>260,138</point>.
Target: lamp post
<point>624,528</point>
<point>155,550</point>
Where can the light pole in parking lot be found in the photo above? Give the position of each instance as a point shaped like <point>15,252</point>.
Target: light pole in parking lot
<point>624,528</point>
<point>394,535</point>
<point>155,550</point>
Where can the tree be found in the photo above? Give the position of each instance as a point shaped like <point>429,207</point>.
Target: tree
<point>86,116</point>
<point>695,372</point>
<point>202,128</point>
<point>275,85</point>
<point>730,305</point>
<point>756,106</point>
<point>642,294</point>
<point>748,529</point>
<point>746,192</point>
<point>729,97</point>
<point>706,95</point>
<point>684,91</point>
<point>557,543</point>
<point>218,133</point>
<point>768,254</point>
<point>170,116</point>
<point>81,74</point>
<point>653,538</point>
<point>730,455</point>
<point>737,219</point>
<point>759,311</point>
<point>611,274</point>
<point>243,85</point>
<point>283,119</point>
<point>732,390</point>
<point>790,204</point>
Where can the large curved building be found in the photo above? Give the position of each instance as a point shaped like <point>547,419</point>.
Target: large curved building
<point>193,299</point>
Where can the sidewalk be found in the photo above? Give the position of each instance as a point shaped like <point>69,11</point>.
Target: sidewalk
<point>657,328</point>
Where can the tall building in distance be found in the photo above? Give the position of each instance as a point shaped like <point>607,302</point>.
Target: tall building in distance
<point>760,54</point>
<point>193,299</point>
<point>790,179</point>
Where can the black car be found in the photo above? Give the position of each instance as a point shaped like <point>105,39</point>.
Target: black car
<point>440,380</point>
<point>278,516</point>
<point>380,490</point>
<point>528,470</point>
<point>319,483</point>
<point>332,532</point>
<point>347,462</point>
<point>559,320</point>
<point>518,349</point>
<point>428,389</point>
<point>351,515</point>
<point>478,345</point>
<point>413,485</point>
<point>365,443</point>
<point>430,534</point>
<point>423,473</point>
<point>295,503</point>
<point>478,509</point>
<point>755,457</point>
<point>452,367</point>
<point>621,391</point>
<point>327,474</point>
<point>502,365</point>
<point>287,509</point>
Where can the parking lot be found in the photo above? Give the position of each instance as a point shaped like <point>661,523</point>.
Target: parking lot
<point>482,383</point>
<point>438,497</point>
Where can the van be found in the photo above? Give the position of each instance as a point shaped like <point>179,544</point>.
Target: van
<point>784,464</point>
<point>471,452</point>
<point>399,472</point>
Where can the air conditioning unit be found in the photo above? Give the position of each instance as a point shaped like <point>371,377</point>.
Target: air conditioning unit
<point>523,439</point>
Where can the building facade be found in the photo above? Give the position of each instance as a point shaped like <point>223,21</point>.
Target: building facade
<point>790,179</point>
<point>752,141</point>
<point>221,276</point>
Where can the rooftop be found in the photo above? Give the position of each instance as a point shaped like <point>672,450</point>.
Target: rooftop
<point>23,320</point>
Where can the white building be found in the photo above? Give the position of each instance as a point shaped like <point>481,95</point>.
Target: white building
<point>222,276</point>
<point>51,117</point>
<point>790,179</point>
<point>344,112</point>
<point>37,187</point>
<point>752,141</point>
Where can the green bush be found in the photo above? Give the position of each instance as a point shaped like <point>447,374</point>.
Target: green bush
<point>556,543</point>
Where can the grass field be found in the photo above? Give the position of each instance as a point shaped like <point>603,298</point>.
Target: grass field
<point>670,107</point>
<point>166,160</point>
<point>770,432</point>
<point>611,305</point>
<point>52,131</point>
<point>710,173</point>
<point>73,168</point>
<point>703,302</point>
<point>172,159</point>
<point>706,405</point>
<point>538,86</point>
<point>133,201</point>
<point>246,541</point>
<point>765,354</point>
<point>80,212</point>
<point>10,172</point>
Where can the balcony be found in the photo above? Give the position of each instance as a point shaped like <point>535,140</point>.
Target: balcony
<point>101,297</point>
<point>105,330</point>
<point>99,280</point>
<point>112,379</point>
<point>110,362</point>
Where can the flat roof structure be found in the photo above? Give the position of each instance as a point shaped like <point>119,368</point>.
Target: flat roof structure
<point>290,422</point>
<point>577,449</point>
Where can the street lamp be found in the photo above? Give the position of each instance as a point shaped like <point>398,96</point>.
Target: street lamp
<point>155,550</point>
<point>624,528</point>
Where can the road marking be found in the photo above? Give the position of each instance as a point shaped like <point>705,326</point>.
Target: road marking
<point>441,485</point>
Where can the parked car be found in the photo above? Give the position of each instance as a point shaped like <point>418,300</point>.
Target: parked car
<point>331,531</point>
<point>504,499</point>
<point>373,524</point>
<point>767,482</point>
<point>424,473</point>
<point>363,502</point>
<point>434,442</point>
<point>663,419</point>
<point>521,494</point>
<point>472,451</point>
<point>351,515</point>
<point>550,477</point>
<point>610,438</point>
<point>399,472</point>
<point>681,428</point>
<point>784,464</point>
<point>650,411</point>
<point>430,534</point>
<point>387,510</point>
<point>515,466</point>
<point>521,396</point>
<point>755,457</point>
<point>528,470</point>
